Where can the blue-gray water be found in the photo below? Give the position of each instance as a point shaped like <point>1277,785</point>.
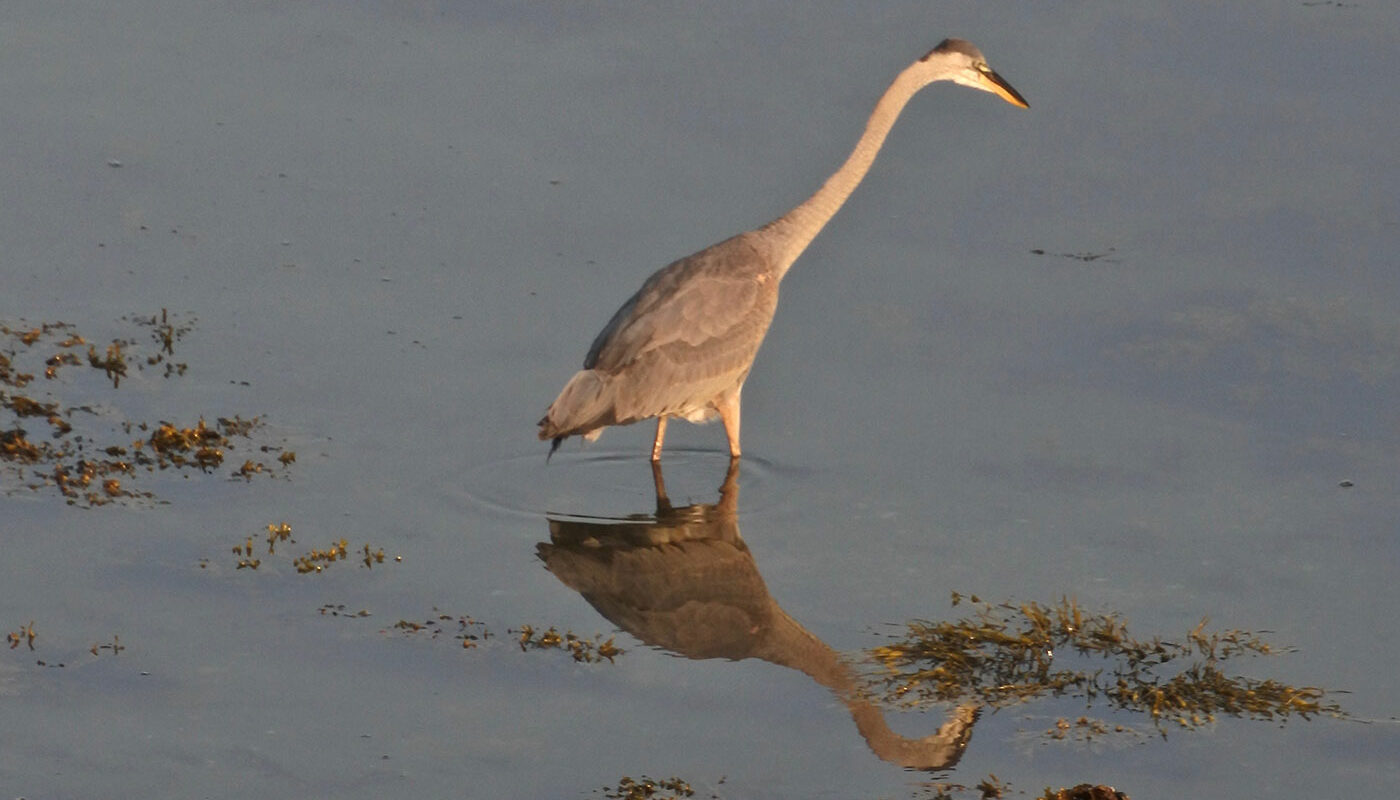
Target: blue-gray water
<point>397,226</point>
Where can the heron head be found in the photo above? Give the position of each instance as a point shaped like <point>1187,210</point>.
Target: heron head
<point>959,61</point>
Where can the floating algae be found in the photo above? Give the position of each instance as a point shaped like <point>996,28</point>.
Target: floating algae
<point>1007,654</point>
<point>87,463</point>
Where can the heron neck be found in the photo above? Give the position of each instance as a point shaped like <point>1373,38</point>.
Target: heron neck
<point>796,229</point>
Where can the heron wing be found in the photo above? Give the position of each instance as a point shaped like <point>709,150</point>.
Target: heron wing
<point>713,305</point>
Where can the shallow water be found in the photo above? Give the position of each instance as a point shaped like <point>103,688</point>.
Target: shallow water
<point>1125,346</point>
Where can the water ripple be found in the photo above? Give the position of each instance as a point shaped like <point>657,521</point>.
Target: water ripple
<point>616,485</point>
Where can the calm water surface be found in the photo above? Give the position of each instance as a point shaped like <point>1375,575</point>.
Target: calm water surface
<point>1125,346</point>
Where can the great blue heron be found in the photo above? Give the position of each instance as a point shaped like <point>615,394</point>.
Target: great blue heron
<point>683,344</point>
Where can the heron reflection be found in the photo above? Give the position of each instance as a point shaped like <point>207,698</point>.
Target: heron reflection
<point>682,579</point>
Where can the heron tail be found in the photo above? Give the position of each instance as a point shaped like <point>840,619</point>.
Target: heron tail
<point>583,407</point>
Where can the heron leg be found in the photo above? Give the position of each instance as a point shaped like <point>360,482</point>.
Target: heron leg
<point>663,502</point>
<point>660,437</point>
<point>727,405</point>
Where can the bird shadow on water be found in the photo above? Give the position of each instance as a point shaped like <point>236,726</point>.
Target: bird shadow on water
<point>681,578</point>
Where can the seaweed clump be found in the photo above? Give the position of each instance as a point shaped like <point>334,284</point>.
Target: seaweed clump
<point>469,631</point>
<point>583,650</point>
<point>314,561</point>
<point>1006,654</point>
<point>472,632</point>
<point>645,788</point>
<point>87,465</point>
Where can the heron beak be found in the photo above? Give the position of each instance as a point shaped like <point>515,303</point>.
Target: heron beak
<point>998,86</point>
